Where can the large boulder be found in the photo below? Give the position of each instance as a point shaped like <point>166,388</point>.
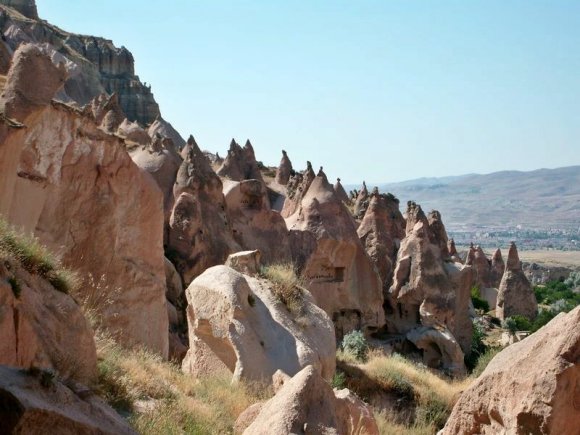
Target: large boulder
<point>254,224</point>
<point>77,180</point>
<point>531,387</point>
<point>33,402</point>
<point>327,251</point>
<point>238,324</point>
<point>42,327</point>
<point>307,404</point>
<point>381,231</point>
<point>200,235</point>
<point>515,295</point>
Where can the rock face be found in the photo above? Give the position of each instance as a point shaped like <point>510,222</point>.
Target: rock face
<point>36,403</point>
<point>200,235</point>
<point>482,268</point>
<point>285,170</point>
<point>253,223</point>
<point>42,327</point>
<point>164,129</point>
<point>238,325</point>
<point>430,292</point>
<point>307,404</point>
<point>245,262</point>
<point>515,296</point>
<point>296,190</point>
<point>94,65</point>
<point>361,203</point>
<point>77,180</point>
<point>328,253</point>
<point>532,386</point>
<point>497,268</point>
<point>340,192</point>
<point>160,159</point>
<point>240,163</point>
<point>381,232</point>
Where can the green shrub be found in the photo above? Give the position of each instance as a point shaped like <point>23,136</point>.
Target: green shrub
<point>478,302</point>
<point>432,410</point>
<point>517,323</point>
<point>355,343</point>
<point>338,380</point>
<point>478,347</point>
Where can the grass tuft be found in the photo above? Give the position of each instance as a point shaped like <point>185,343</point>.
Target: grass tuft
<point>287,286</point>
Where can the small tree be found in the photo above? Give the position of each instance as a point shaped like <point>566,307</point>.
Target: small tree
<point>355,344</point>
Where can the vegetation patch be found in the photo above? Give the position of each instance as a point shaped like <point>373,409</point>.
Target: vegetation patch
<point>286,286</point>
<point>478,302</point>
<point>35,258</point>
<point>355,344</point>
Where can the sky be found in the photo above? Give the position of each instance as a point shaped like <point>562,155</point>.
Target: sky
<point>379,90</point>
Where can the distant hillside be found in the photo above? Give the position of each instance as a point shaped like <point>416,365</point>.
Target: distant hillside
<point>538,199</point>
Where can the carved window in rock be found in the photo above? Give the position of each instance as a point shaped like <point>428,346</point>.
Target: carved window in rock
<point>328,274</point>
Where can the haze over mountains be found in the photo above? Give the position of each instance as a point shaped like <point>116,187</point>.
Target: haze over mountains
<point>544,198</point>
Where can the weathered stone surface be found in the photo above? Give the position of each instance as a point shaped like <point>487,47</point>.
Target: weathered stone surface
<point>245,262</point>
<point>175,292</point>
<point>497,268</point>
<point>253,223</point>
<point>94,65</point>
<point>164,129</point>
<point>440,349</point>
<point>428,291</point>
<point>133,133</point>
<point>285,170</point>
<point>42,327</point>
<point>77,181</point>
<point>341,193</point>
<point>531,387</point>
<point>106,111</point>
<point>35,404</point>
<point>200,235</point>
<point>328,253</point>
<point>438,232</point>
<point>515,296</point>
<point>296,189</point>
<point>240,163</point>
<point>238,325</point>
<point>25,7</point>
<point>307,404</point>
<point>162,161</point>
<point>361,203</point>
<point>482,269</point>
<point>381,232</point>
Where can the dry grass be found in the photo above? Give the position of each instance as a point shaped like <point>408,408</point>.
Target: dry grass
<point>287,286</point>
<point>36,259</point>
<point>414,385</point>
<point>161,399</point>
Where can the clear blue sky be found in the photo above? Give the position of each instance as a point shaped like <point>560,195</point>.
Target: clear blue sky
<point>377,90</point>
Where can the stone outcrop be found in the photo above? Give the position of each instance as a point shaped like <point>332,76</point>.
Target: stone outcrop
<point>254,225</point>
<point>453,254</point>
<point>133,134</point>
<point>307,404</point>
<point>238,325</point>
<point>440,349</point>
<point>77,181</point>
<point>329,255</point>
<point>428,291</point>
<point>245,262</point>
<point>161,160</point>
<point>381,232</point>
<point>482,269</point>
<point>438,232</point>
<point>94,65</point>
<point>240,163</point>
<point>35,402</point>
<point>361,203</point>
<point>42,327</point>
<point>200,235</point>
<point>341,193</point>
<point>515,295</point>
<point>532,386</point>
<point>497,268</point>
<point>285,170</point>
<point>164,129</point>
<point>296,190</point>
<point>106,111</point>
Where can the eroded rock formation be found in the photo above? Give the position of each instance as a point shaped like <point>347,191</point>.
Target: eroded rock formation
<point>515,296</point>
<point>327,251</point>
<point>200,235</point>
<point>307,404</point>
<point>430,292</point>
<point>497,268</point>
<point>85,198</point>
<point>361,203</point>
<point>341,193</point>
<point>240,163</point>
<point>530,387</point>
<point>285,170</point>
<point>237,324</point>
<point>381,232</point>
<point>296,190</point>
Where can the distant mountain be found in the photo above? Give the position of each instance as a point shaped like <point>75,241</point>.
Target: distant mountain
<point>544,198</point>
